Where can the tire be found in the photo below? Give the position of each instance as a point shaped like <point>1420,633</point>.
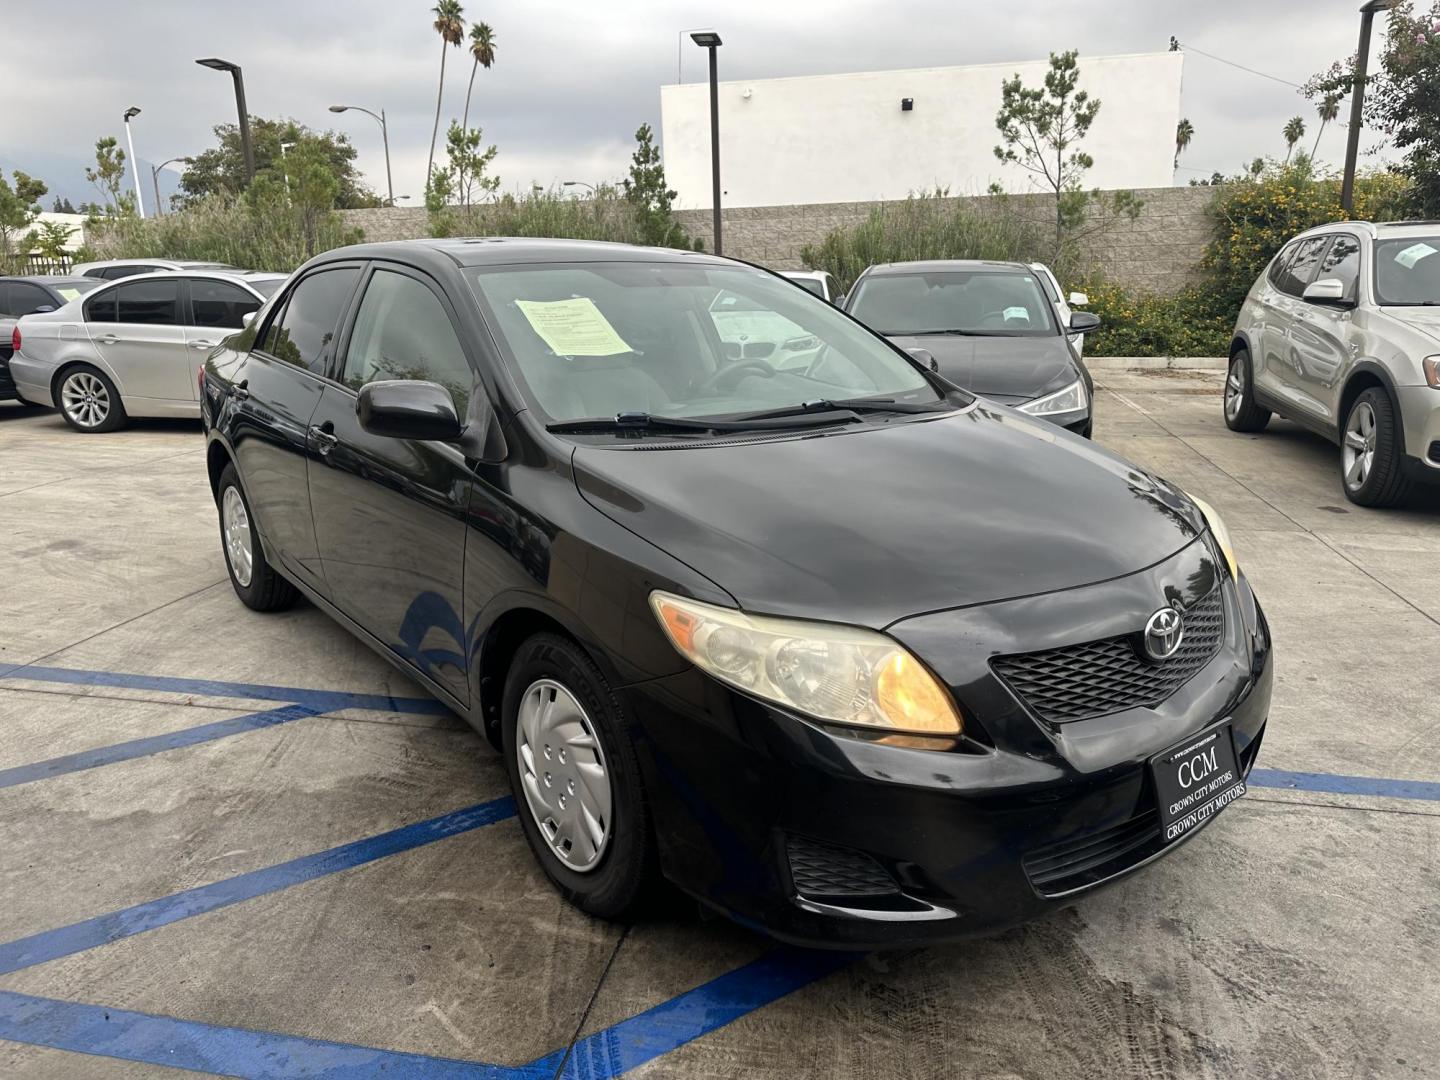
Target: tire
<point>1241,411</point>
<point>609,879</point>
<point>1371,459</point>
<point>88,400</point>
<point>256,582</point>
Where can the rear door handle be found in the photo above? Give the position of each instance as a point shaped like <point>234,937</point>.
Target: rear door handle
<point>324,436</point>
<point>108,339</point>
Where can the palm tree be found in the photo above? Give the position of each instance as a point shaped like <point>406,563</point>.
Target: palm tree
<point>1328,110</point>
<point>451,28</point>
<point>1294,132</point>
<point>482,48</point>
<point>1184,132</point>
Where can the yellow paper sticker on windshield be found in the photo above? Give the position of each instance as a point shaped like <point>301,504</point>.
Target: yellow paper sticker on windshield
<point>573,327</point>
<point>1413,254</point>
<point>68,294</point>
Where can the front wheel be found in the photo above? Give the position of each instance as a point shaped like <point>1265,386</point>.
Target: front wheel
<point>1370,454</point>
<point>1241,411</point>
<point>257,584</point>
<point>89,401</point>
<point>576,777</point>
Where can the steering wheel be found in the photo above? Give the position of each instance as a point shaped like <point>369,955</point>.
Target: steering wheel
<point>726,378</point>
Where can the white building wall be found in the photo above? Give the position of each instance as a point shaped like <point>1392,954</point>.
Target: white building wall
<point>844,138</point>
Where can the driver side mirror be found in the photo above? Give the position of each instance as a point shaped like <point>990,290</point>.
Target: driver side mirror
<point>406,409</point>
<point>247,317</point>
<point>925,357</point>
<point>1084,321</point>
<point>42,309</point>
<point>1328,291</point>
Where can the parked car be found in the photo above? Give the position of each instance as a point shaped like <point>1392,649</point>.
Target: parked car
<point>989,326</point>
<point>28,296</point>
<point>110,269</point>
<point>1064,302</point>
<point>852,655</point>
<point>1341,334</point>
<point>131,348</point>
<point>819,282</point>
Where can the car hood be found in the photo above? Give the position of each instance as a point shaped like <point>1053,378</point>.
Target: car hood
<point>874,524</point>
<point>1007,369</point>
<point>1424,319</point>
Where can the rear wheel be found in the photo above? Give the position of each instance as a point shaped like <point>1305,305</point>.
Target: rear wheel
<point>89,401</point>
<point>1371,464</point>
<point>255,580</point>
<point>1241,411</point>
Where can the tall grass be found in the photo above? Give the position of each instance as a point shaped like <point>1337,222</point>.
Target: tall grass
<point>927,226</point>
<point>604,215</point>
<point>267,235</point>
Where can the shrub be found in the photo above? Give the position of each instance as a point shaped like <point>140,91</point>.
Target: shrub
<point>605,215</point>
<point>1147,324</point>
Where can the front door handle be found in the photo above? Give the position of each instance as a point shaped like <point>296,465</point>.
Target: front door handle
<point>324,436</point>
<point>201,344</point>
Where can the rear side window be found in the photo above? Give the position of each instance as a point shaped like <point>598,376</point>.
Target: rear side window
<point>302,332</point>
<point>403,332</point>
<point>101,308</point>
<point>220,304</point>
<point>1301,268</point>
<point>153,303</point>
<point>1342,262</point>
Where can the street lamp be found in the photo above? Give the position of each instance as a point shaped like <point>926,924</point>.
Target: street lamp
<point>216,64</point>
<point>155,180</point>
<point>709,39</point>
<point>578,183</point>
<point>1357,101</point>
<point>130,114</point>
<point>384,135</point>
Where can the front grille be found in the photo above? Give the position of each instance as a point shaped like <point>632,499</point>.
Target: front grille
<point>1063,868</point>
<point>822,870</point>
<point>1098,677</point>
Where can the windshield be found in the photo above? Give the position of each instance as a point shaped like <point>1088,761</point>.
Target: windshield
<point>1407,271</point>
<point>71,289</point>
<point>593,340</point>
<point>987,303</point>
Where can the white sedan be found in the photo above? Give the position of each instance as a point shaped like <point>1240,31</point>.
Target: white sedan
<point>131,348</point>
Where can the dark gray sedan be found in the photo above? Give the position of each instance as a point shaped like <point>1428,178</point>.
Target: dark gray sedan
<point>989,327</point>
<point>27,296</point>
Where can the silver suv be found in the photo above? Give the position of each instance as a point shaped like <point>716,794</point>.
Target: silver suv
<point>1341,334</point>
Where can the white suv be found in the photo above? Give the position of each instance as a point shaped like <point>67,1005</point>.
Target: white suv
<point>1341,334</point>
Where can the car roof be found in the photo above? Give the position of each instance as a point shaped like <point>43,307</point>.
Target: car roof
<point>501,250</point>
<point>815,274</point>
<point>48,279</point>
<point>1374,229</point>
<point>933,266</point>
<point>239,277</point>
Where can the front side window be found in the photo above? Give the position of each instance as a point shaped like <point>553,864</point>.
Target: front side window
<point>1407,272</point>
<point>1341,263</point>
<point>220,304</point>
<point>402,331</point>
<point>302,332</point>
<point>591,340</point>
<point>155,303</point>
<point>1276,273</point>
<point>1301,269</point>
<point>985,303</point>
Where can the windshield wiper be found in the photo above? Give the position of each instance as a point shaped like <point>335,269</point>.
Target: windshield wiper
<point>954,331</point>
<point>643,421</point>
<point>847,405</point>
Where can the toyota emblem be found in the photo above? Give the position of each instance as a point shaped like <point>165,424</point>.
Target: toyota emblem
<point>1163,632</point>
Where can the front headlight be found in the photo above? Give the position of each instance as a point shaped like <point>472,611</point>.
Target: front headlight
<point>1221,534</point>
<point>843,674</point>
<point>1071,399</point>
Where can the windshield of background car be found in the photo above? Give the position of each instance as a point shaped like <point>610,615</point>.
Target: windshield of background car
<point>591,340</point>
<point>266,287</point>
<point>71,289</point>
<point>987,303</point>
<point>1407,271</point>
<point>810,284</point>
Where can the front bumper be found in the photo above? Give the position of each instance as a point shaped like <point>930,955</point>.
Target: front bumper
<point>739,787</point>
<point>1420,421</point>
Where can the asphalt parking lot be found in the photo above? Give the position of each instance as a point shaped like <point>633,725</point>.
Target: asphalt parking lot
<point>242,844</point>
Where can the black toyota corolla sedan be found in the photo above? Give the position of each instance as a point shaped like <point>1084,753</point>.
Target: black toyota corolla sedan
<point>847,653</point>
<point>990,327</point>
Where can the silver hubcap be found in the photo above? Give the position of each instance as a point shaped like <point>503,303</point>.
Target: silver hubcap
<point>1358,451</point>
<point>1235,388</point>
<point>85,399</point>
<point>562,770</point>
<point>236,526</point>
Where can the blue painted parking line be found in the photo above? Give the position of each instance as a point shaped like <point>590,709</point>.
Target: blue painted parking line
<point>155,744</point>
<point>321,701</point>
<point>1338,784</point>
<point>186,1044</point>
<point>103,929</point>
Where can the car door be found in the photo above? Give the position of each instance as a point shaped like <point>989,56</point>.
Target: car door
<point>279,386</point>
<point>214,310</point>
<point>1284,304</point>
<point>390,513</point>
<point>1320,333</point>
<point>143,343</point>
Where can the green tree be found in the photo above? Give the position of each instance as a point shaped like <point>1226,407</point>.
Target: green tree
<point>221,169</point>
<point>645,189</point>
<point>1041,129</point>
<point>1327,110</point>
<point>1294,132</point>
<point>19,206</point>
<point>51,240</point>
<point>482,51</point>
<point>109,174</point>
<point>1184,132</point>
<point>63,206</point>
<point>451,27</point>
<point>454,189</point>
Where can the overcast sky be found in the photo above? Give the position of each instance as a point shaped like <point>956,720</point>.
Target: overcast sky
<point>573,80</point>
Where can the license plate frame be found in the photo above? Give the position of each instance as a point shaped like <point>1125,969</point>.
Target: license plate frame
<point>1195,780</point>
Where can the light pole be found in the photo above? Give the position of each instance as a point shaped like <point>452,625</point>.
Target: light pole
<point>578,183</point>
<point>1357,101</point>
<point>710,40</point>
<point>216,64</point>
<point>155,180</point>
<point>384,135</point>
<point>130,114</point>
